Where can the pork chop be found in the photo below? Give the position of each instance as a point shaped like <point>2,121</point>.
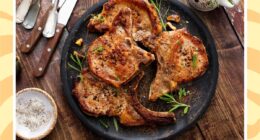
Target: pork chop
<point>115,57</point>
<point>97,98</point>
<point>145,18</point>
<point>181,58</point>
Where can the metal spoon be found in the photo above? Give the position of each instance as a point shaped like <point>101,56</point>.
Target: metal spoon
<point>22,10</point>
<point>32,15</point>
<point>50,26</point>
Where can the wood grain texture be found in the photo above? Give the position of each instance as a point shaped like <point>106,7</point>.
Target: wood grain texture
<point>224,118</point>
<point>236,16</point>
<point>36,33</point>
<point>48,51</point>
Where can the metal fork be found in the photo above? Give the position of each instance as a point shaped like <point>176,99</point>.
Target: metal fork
<point>50,26</point>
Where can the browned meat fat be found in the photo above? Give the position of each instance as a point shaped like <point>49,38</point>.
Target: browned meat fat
<point>149,115</point>
<point>145,18</point>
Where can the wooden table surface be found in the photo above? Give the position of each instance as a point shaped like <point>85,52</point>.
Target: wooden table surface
<point>223,119</point>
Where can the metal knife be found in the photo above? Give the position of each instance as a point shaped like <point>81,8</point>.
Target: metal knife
<point>32,15</point>
<point>22,10</point>
<point>50,26</point>
<point>63,18</point>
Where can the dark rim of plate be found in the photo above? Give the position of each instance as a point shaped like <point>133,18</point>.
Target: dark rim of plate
<point>74,104</point>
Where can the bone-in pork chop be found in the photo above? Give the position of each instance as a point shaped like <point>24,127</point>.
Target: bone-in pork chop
<point>145,18</point>
<point>98,98</point>
<point>181,57</point>
<point>115,57</point>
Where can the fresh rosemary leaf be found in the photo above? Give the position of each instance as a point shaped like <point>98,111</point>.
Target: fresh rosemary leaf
<point>115,123</point>
<point>186,109</point>
<point>160,4</point>
<point>182,92</point>
<point>103,123</point>
<point>73,67</point>
<point>174,108</point>
<point>79,62</point>
<point>166,13</point>
<point>157,7</point>
<point>73,59</point>
<point>165,99</point>
<point>169,96</point>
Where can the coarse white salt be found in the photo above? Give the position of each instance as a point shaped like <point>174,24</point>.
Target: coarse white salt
<point>32,113</point>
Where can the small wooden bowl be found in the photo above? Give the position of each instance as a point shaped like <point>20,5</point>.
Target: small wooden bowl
<point>50,105</point>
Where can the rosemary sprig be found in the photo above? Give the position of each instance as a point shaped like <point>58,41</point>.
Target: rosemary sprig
<point>103,123</point>
<point>73,67</point>
<point>175,104</point>
<point>182,93</point>
<point>77,61</point>
<point>79,66</point>
<point>158,9</point>
<point>165,14</point>
<point>115,123</point>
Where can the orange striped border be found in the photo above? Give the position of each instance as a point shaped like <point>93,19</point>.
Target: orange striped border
<point>6,69</point>
<point>253,71</point>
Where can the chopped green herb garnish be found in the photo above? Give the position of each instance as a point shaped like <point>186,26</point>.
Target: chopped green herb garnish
<point>99,49</point>
<point>98,17</point>
<point>194,60</point>
<point>175,104</point>
<point>115,123</point>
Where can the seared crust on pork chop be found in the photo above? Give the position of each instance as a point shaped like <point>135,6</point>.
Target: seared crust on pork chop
<point>181,58</point>
<point>145,18</point>
<point>115,57</point>
<point>98,98</point>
